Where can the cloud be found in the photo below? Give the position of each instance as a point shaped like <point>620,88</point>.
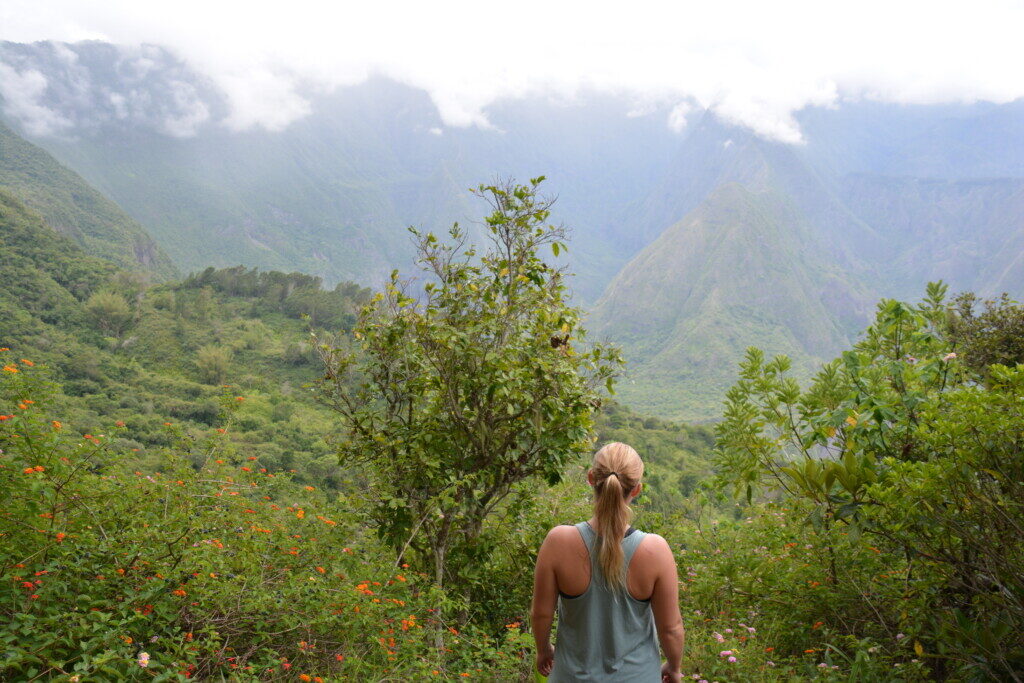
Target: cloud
<point>54,89</point>
<point>754,63</point>
<point>21,92</point>
<point>188,113</point>
<point>677,117</point>
<point>261,97</point>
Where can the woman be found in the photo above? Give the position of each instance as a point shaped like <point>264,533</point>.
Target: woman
<point>616,588</point>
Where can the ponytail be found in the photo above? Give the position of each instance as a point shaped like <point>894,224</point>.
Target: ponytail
<point>616,471</point>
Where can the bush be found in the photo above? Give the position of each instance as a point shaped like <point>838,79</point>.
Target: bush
<point>225,569</point>
<point>908,469</point>
<point>213,363</point>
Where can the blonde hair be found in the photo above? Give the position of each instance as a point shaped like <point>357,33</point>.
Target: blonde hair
<point>616,471</point>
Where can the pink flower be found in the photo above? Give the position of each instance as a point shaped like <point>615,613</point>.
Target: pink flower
<point>732,660</point>
<point>143,659</point>
<point>719,637</point>
<point>725,653</point>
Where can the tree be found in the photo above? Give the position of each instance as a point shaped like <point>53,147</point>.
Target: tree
<point>993,335</point>
<point>898,444</point>
<point>213,363</point>
<point>110,311</point>
<point>475,389</point>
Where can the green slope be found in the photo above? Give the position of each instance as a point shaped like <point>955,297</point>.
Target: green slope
<point>235,326</point>
<point>182,342</point>
<point>69,205</point>
<point>742,269</point>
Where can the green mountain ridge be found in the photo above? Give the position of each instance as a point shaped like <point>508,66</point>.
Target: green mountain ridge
<point>735,271</point>
<point>73,208</point>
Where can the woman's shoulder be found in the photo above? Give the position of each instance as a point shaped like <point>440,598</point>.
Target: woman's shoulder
<point>654,547</point>
<point>563,531</point>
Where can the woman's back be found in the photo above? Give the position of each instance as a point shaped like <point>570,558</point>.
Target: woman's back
<point>603,633</point>
<point>617,589</point>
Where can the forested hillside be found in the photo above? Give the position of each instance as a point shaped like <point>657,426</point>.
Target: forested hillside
<point>177,508</point>
<point>116,388</point>
<point>73,208</point>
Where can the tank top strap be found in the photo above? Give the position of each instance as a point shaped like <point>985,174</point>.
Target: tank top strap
<point>589,537</point>
<point>629,545</point>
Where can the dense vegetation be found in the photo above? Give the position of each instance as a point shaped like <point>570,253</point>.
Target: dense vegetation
<point>197,386</point>
<point>176,505</point>
<point>73,208</point>
<point>890,532</point>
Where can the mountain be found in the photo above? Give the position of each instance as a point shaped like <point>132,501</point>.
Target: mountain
<point>969,233</point>
<point>877,200</point>
<point>743,267</point>
<point>333,193</point>
<point>71,207</point>
<point>781,247</point>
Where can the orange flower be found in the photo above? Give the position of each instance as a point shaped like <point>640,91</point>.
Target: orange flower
<point>56,425</point>
<point>321,570</point>
<point>10,368</point>
<point>305,677</point>
<point>309,488</point>
<point>5,417</point>
<point>61,536</point>
<point>27,362</point>
<point>300,514</point>
<point>239,398</point>
<point>221,430</point>
<point>179,592</point>
<point>5,349</point>
<point>119,423</point>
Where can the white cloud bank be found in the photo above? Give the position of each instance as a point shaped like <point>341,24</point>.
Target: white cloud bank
<point>755,63</point>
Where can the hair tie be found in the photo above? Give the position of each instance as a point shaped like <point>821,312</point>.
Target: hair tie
<point>615,473</point>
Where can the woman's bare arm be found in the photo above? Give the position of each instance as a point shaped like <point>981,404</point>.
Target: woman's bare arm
<point>545,597</point>
<point>665,602</point>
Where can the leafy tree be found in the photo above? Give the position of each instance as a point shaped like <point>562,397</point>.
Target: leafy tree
<point>897,442</point>
<point>110,311</point>
<point>465,398</point>
<point>992,335</point>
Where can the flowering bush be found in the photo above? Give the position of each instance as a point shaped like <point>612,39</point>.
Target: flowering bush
<point>219,568</point>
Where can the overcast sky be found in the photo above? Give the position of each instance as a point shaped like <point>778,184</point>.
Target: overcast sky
<point>754,62</point>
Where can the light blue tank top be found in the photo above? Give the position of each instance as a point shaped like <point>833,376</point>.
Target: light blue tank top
<point>605,635</point>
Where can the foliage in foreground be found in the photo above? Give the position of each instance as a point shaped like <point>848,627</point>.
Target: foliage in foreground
<point>908,474</point>
<point>207,565</point>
